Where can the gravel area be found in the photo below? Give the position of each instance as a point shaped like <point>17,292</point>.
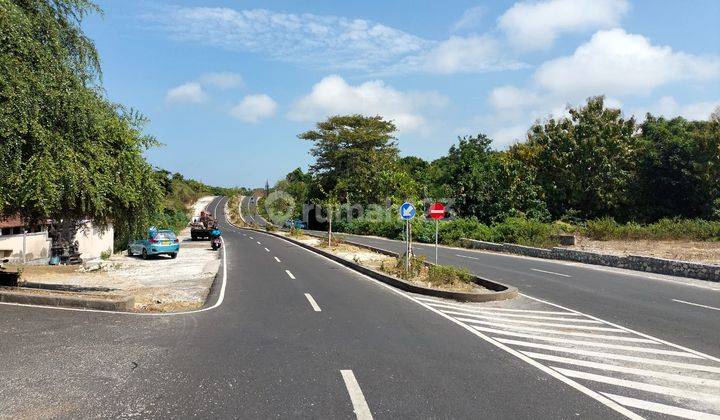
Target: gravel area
<point>695,251</point>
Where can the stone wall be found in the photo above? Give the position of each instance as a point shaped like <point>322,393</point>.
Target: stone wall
<point>630,262</point>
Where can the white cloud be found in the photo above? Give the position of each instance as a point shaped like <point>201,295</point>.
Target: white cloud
<point>458,54</point>
<point>506,136</point>
<point>533,25</point>
<point>614,62</point>
<point>333,95</point>
<point>253,108</point>
<point>668,107</point>
<point>331,42</point>
<point>511,97</point>
<point>470,18</point>
<point>191,92</point>
<point>222,80</point>
<point>310,40</point>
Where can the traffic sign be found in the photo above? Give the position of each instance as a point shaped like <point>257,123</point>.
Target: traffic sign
<point>437,211</point>
<point>407,211</point>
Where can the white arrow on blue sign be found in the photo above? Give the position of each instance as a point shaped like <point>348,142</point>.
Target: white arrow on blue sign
<point>407,211</point>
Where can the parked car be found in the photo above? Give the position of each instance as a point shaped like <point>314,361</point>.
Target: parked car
<point>297,224</point>
<point>158,242</point>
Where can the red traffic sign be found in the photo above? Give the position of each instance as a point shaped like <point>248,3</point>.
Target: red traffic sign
<point>437,211</point>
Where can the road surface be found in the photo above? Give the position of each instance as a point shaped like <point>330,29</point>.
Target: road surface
<point>287,333</point>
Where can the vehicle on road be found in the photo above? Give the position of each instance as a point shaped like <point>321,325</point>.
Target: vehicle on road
<point>201,226</point>
<point>295,223</point>
<point>215,241</point>
<point>158,242</point>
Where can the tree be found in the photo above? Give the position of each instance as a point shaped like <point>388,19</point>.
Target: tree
<point>583,163</point>
<point>350,152</point>
<point>678,169</point>
<point>66,152</point>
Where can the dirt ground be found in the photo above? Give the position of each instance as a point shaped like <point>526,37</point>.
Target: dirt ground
<point>376,261</point>
<point>704,252</point>
<point>158,284</point>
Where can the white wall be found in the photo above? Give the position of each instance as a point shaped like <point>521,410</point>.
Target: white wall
<point>93,241</point>
<point>37,245</point>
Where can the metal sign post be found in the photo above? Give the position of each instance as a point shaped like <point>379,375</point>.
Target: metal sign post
<point>407,212</point>
<point>437,212</point>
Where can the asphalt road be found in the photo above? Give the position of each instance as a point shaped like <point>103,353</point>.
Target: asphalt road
<point>248,209</point>
<point>633,299</point>
<point>287,333</point>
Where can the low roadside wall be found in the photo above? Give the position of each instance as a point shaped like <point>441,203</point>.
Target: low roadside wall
<point>631,262</point>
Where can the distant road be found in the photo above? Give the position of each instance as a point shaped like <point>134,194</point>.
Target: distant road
<point>634,299</point>
<point>250,211</point>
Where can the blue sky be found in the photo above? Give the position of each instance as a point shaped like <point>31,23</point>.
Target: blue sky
<point>228,85</point>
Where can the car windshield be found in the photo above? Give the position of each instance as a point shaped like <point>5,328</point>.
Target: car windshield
<point>165,236</point>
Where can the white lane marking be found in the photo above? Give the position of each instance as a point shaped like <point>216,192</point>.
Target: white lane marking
<point>569,333</point>
<point>589,343</point>
<point>312,302</point>
<point>550,272</point>
<point>633,371</point>
<point>267,250</point>
<point>258,242</point>
<point>277,259</point>
<point>466,256</point>
<point>434,302</point>
<point>661,408</point>
<point>254,238</point>
<point>290,274</point>
<point>533,323</point>
<point>614,356</point>
<point>360,406</point>
<point>221,297</point>
<point>510,316</point>
<point>658,340</point>
<point>696,304</point>
<point>640,386</point>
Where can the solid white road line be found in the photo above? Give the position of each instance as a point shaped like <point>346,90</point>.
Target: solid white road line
<point>267,250</point>
<point>633,371</point>
<point>590,343</point>
<point>696,304</point>
<point>568,333</point>
<point>277,259</point>
<point>550,272</point>
<point>435,302</point>
<point>613,356</point>
<point>640,386</point>
<point>534,323</point>
<point>290,274</point>
<point>516,315</point>
<point>661,408</point>
<point>360,407</point>
<point>658,340</point>
<point>312,302</point>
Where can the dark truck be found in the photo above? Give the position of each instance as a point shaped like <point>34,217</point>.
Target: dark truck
<point>201,227</point>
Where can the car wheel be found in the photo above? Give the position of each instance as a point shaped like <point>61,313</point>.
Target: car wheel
<point>173,255</point>
<point>129,252</point>
<point>144,254</point>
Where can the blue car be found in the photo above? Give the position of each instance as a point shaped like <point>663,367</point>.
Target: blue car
<point>297,224</point>
<point>158,242</point>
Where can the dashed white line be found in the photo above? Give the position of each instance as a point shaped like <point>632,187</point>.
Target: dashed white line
<point>251,237</point>
<point>267,250</point>
<point>466,256</point>
<point>550,272</point>
<point>258,242</point>
<point>696,304</point>
<point>277,259</point>
<point>661,408</point>
<point>314,304</point>
<point>290,274</point>
<point>360,407</point>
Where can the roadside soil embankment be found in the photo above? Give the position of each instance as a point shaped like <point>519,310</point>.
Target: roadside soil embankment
<point>694,251</point>
<point>158,284</point>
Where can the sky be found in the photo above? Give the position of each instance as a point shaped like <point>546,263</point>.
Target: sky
<point>228,85</point>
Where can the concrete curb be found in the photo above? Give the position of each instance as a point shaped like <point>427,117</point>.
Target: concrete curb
<point>499,291</point>
<point>58,298</point>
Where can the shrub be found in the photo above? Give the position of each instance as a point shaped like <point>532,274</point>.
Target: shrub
<point>445,274</point>
<point>601,229</point>
<point>519,230</point>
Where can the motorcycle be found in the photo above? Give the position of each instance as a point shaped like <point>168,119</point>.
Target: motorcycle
<point>215,243</point>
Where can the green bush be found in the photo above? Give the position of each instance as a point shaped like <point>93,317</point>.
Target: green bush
<point>518,230</point>
<point>445,274</point>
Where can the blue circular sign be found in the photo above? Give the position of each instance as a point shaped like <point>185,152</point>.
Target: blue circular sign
<point>407,211</point>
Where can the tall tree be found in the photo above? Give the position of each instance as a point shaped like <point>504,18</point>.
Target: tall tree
<point>583,163</point>
<point>350,152</point>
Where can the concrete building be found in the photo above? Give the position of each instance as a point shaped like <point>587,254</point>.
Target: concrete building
<point>32,244</point>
